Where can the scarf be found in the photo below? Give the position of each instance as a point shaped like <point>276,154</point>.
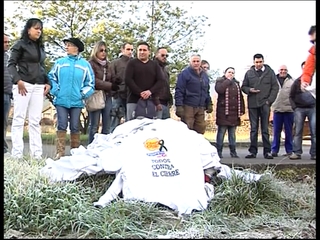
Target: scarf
<point>238,101</point>
<point>102,62</point>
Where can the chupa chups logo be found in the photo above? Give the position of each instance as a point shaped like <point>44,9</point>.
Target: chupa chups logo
<point>152,144</point>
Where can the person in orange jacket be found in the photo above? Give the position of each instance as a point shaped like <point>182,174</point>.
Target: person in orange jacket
<point>310,64</point>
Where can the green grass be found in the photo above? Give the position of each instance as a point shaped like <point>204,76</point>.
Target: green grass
<point>33,207</point>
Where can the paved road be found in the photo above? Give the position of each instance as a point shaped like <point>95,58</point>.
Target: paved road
<point>49,151</point>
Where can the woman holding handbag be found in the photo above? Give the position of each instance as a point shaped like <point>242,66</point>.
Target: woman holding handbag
<point>103,84</point>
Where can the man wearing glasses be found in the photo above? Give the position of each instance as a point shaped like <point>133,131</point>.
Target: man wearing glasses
<point>261,86</point>
<point>165,95</point>
<point>119,98</point>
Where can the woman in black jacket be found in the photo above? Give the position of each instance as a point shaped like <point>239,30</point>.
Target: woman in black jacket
<point>31,84</point>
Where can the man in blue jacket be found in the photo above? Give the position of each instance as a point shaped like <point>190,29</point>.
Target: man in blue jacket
<point>192,95</point>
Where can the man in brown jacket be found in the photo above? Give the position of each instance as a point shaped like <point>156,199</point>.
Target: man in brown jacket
<point>119,98</point>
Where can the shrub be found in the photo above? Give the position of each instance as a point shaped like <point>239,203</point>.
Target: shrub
<point>38,208</point>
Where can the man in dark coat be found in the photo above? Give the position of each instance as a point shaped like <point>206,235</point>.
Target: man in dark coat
<point>261,86</point>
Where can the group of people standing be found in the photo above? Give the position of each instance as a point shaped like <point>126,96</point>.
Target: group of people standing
<point>71,81</point>
<point>125,80</point>
<point>291,101</point>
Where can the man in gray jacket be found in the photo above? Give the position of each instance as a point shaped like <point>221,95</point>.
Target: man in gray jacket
<point>119,98</point>
<point>282,113</point>
<point>261,86</point>
<point>7,91</point>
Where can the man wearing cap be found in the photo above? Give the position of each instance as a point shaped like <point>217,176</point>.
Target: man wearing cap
<point>72,80</point>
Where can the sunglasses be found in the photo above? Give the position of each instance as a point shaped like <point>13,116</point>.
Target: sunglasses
<point>164,55</point>
<point>103,50</point>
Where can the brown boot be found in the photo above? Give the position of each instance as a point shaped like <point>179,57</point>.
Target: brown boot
<point>60,144</point>
<point>74,140</point>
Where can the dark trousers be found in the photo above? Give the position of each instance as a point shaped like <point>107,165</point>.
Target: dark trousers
<point>6,107</point>
<point>256,115</point>
<point>119,110</point>
<point>280,120</point>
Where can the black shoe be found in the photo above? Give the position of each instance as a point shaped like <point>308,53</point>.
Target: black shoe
<point>234,155</point>
<point>268,156</point>
<point>251,155</point>
<point>274,154</point>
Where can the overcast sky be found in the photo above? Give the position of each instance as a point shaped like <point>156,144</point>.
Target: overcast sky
<point>239,29</point>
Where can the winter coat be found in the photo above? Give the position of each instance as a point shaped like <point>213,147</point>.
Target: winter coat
<point>99,71</point>
<point>230,104</point>
<point>118,68</point>
<point>267,83</point>
<point>165,95</point>
<point>192,89</point>
<point>72,81</point>
<point>309,66</point>
<point>26,62</point>
<point>282,102</point>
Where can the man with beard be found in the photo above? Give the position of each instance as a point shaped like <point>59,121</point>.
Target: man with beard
<point>165,96</point>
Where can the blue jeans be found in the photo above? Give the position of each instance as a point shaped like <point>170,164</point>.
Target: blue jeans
<point>6,108</point>
<point>231,137</point>
<point>164,113</point>
<point>65,115</point>
<point>119,109</point>
<point>281,119</point>
<point>300,115</point>
<point>94,120</point>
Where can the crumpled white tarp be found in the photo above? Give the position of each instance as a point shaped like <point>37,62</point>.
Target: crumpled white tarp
<point>172,176</point>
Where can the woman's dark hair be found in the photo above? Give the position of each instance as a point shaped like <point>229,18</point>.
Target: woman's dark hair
<point>31,23</point>
<point>205,62</point>
<point>228,69</point>
<point>312,30</point>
